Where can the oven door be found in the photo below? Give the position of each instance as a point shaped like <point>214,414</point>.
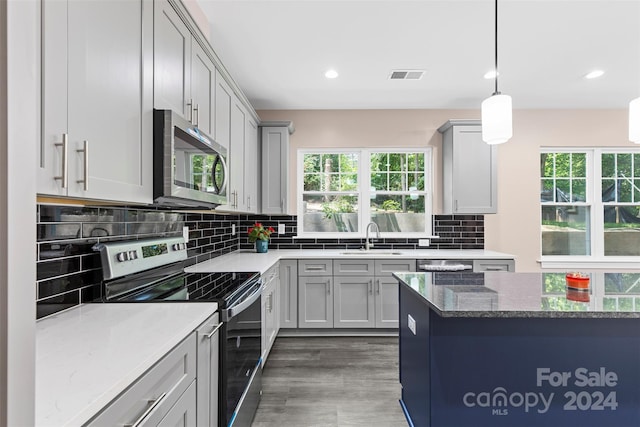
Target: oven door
<point>241,352</point>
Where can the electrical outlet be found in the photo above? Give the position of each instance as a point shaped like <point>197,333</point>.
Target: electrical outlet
<point>281,229</point>
<point>185,234</point>
<point>423,242</point>
<point>233,229</point>
<point>412,324</point>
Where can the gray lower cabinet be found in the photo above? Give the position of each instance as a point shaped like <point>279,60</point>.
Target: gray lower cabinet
<point>494,265</point>
<point>387,304</point>
<point>288,293</point>
<point>270,310</point>
<point>315,302</point>
<point>97,100</point>
<point>353,302</point>
<point>208,336</point>
<point>151,398</point>
<point>183,413</point>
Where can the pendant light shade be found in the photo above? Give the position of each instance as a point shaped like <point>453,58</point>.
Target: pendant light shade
<point>496,110</point>
<point>496,119</point>
<point>634,121</point>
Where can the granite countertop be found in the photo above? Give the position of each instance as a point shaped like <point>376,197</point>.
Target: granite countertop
<point>249,260</point>
<point>87,356</point>
<point>544,295</point>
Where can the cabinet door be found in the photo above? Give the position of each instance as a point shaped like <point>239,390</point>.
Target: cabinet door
<point>251,165</point>
<point>275,168</point>
<point>474,172</point>
<point>183,413</point>
<point>208,336</point>
<point>236,156</point>
<point>223,97</point>
<point>110,100</point>
<point>315,302</point>
<point>172,60</point>
<point>288,294</point>
<point>353,302</point>
<point>203,87</point>
<point>387,304</point>
<point>54,98</point>
<point>494,265</point>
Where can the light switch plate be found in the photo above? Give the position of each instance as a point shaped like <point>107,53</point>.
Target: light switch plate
<point>185,234</point>
<point>233,229</point>
<point>281,229</point>
<point>412,324</point>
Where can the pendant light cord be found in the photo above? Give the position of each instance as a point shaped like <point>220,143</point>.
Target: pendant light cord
<point>496,47</point>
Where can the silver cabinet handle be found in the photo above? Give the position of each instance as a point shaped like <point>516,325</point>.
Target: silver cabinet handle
<point>282,206</point>
<point>154,404</point>
<point>378,290</point>
<point>310,268</point>
<point>64,177</point>
<point>212,333</point>
<point>329,287</point>
<point>456,206</point>
<point>85,179</point>
<point>196,109</point>
<point>190,108</point>
<point>371,286</point>
<point>493,269</point>
<point>248,202</point>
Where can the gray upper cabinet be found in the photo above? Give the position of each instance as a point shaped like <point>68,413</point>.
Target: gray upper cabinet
<point>184,75</point>
<point>223,97</point>
<point>97,98</point>
<point>469,169</point>
<point>251,167</point>
<point>275,166</point>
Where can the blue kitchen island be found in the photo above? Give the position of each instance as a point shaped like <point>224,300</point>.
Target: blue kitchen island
<point>519,349</point>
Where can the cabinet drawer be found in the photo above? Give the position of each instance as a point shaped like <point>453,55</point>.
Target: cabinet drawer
<point>353,267</point>
<point>315,267</point>
<point>384,267</point>
<point>160,387</point>
<point>271,274</point>
<point>494,265</point>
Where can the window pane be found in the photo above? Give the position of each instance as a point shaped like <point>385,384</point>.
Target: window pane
<point>311,163</point>
<point>563,190</point>
<point>554,283</point>
<point>546,192</point>
<point>379,181</point>
<point>312,182</point>
<point>624,165</point>
<point>336,214</point>
<point>608,190</point>
<point>578,165</point>
<point>397,182</point>
<point>398,214</point>
<point>397,162</point>
<point>416,180</point>
<point>608,165</point>
<point>621,230</point>
<point>636,190</point>
<point>579,190</point>
<point>546,165</point>
<point>563,164</point>
<point>636,165</point>
<point>565,230</point>
<point>348,163</point>
<point>622,283</point>
<point>624,191</point>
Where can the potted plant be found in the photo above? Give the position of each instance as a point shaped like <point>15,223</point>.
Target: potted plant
<point>260,235</point>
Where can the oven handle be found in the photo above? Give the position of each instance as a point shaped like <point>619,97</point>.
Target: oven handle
<point>233,311</point>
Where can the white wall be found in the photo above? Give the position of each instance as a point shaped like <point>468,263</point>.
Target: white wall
<point>516,227</point>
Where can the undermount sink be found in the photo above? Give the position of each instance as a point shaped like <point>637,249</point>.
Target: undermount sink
<point>371,252</point>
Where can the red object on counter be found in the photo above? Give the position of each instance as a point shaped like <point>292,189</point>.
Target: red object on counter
<point>577,295</point>
<point>577,281</point>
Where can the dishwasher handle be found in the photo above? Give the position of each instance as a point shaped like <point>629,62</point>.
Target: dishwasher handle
<point>234,310</point>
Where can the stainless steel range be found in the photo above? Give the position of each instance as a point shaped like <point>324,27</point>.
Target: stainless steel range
<point>152,271</point>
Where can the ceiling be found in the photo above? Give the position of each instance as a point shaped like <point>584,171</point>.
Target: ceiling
<point>278,52</point>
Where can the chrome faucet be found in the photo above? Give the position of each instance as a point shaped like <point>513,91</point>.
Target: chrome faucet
<point>367,244</point>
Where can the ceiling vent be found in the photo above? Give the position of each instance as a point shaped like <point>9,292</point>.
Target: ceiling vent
<point>406,74</point>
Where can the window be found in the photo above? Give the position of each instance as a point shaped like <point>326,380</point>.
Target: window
<point>590,203</point>
<point>343,191</point>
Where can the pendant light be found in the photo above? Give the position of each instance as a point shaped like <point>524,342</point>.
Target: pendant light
<point>634,121</point>
<point>496,110</point>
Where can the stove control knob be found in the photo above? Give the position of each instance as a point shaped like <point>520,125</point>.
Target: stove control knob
<point>122,256</point>
<point>133,255</point>
<point>174,247</point>
<point>183,246</point>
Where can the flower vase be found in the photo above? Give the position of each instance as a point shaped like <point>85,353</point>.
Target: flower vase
<point>262,246</point>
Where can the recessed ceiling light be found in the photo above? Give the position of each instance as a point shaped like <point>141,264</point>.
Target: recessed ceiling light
<point>331,74</point>
<point>594,74</point>
<point>490,74</point>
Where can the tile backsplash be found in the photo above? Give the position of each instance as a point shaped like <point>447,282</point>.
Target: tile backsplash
<point>69,271</point>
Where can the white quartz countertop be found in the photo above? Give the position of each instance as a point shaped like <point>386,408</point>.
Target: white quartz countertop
<point>87,356</point>
<point>246,260</point>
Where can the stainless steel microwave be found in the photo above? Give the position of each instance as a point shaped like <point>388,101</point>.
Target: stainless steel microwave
<point>189,167</point>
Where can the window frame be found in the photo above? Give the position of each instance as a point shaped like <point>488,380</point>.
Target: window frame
<point>364,191</point>
<point>597,259</point>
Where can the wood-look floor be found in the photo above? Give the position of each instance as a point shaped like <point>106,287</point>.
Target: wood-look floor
<point>331,382</point>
